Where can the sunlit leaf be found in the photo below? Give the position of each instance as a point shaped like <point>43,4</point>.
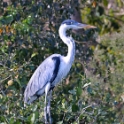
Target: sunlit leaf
<point>60,122</point>
<point>87,84</point>
<point>33,118</point>
<point>34,54</point>
<point>10,82</point>
<point>94,3</point>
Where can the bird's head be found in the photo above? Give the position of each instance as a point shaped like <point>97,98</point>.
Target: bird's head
<point>71,24</point>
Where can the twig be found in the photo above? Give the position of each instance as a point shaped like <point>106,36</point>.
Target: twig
<point>82,111</point>
<point>5,79</point>
<point>2,93</point>
<point>114,18</point>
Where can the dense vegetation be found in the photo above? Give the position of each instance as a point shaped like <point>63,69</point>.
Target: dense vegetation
<point>93,92</point>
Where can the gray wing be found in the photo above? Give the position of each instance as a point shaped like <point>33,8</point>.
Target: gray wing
<point>43,74</point>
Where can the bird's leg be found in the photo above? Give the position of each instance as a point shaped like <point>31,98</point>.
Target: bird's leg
<point>47,88</point>
<point>48,107</point>
<point>45,112</point>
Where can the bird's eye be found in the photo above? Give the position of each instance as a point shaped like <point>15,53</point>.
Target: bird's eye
<point>70,23</point>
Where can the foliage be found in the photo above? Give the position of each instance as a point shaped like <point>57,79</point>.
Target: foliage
<point>106,15</point>
<point>29,33</point>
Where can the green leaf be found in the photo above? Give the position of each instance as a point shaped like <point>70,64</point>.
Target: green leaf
<point>11,121</point>
<point>72,92</point>
<point>5,37</point>
<point>75,108</point>
<point>29,19</point>
<point>105,2</point>
<point>78,91</point>
<point>34,108</point>
<point>8,19</point>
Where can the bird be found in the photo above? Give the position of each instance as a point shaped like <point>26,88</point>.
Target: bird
<point>53,69</point>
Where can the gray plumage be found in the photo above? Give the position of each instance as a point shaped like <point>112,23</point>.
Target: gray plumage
<point>43,74</point>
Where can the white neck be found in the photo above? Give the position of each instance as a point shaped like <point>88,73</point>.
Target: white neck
<point>69,42</point>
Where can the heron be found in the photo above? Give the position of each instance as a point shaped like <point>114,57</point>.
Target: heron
<point>53,69</point>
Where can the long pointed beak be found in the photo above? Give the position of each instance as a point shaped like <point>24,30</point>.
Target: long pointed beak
<point>89,26</point>
<point>85,26</point>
